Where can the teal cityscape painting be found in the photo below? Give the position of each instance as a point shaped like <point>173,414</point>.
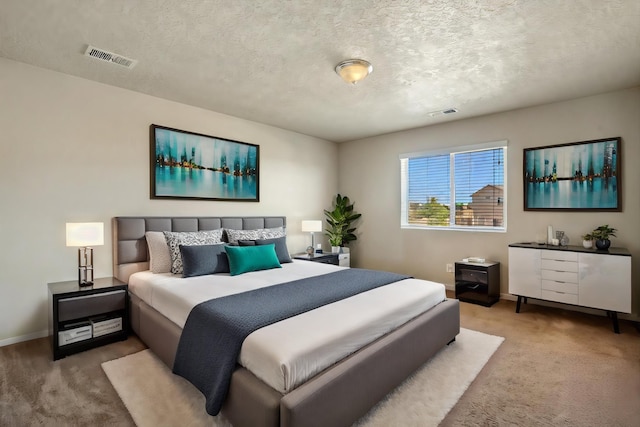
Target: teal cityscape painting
<point>580,176</point>
<point>187,165</point>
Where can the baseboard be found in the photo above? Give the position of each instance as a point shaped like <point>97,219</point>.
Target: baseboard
<point>22,338</point>
<point>587,310</point>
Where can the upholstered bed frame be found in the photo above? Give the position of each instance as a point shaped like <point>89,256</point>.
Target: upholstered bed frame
<point>336,397</point>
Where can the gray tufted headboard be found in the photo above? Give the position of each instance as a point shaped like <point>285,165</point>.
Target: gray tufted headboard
<point>130,252</point>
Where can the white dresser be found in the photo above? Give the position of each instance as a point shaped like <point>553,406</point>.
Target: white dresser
<point>572,275</point>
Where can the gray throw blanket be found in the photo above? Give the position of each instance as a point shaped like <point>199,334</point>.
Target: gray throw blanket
<point>215,329</point>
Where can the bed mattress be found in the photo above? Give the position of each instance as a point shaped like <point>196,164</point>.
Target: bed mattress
<point>288,353</point>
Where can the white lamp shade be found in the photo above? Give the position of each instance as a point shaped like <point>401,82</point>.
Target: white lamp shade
<point>85,233</point>
<point>312,226</point>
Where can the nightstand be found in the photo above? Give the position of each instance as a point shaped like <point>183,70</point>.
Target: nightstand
<point>325,257</point>
<point>81,318</point>
<point>478,283</point>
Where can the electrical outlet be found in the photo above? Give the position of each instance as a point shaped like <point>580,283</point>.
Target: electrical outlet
<point>449,268</point>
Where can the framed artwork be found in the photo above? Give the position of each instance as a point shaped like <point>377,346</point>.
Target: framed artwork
<point>580,176</point>
<point>188,165</point>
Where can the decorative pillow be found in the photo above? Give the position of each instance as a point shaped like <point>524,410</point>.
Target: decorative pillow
<point>159,257</point>
<point>203,259</point>
<point>280,244</point>
<point>243,259</point>
<point>259,233</point>
<point>188,238</point>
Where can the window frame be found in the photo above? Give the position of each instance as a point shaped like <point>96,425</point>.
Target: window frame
<point>452,151</point>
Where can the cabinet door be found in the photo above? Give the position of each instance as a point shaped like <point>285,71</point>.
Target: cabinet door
<point>605,282</point>
<point>524,272</point>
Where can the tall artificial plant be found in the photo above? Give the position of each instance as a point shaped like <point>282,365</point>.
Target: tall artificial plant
<point>340,231</point>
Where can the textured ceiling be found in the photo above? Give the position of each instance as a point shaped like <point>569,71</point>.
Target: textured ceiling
<point>272,61</point>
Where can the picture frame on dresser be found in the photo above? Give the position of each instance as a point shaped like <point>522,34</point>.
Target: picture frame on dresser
<point>189,165</point>
<point>578,176</point>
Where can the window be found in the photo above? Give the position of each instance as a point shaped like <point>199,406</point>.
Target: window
<point>461,189</point>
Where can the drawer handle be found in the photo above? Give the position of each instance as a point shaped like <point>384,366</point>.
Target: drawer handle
<point>558,281</point>
<point>558,292</point>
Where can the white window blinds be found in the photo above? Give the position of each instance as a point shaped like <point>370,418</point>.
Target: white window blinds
<point>457,189</point>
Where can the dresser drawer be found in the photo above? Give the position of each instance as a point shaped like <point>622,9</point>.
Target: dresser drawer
<point>560,276</point>
<point>567,288</point>
<point>558,265</point>
<point>559,255</point>
<point>91,305</point>
<point>559,297</point>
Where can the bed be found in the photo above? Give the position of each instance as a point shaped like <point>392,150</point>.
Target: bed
<point>338,395</point>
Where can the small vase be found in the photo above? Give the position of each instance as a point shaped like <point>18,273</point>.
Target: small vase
<point>603,245</point>
<point>587,244</point>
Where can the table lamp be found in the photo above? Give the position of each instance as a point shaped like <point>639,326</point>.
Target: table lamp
<point>312,226</point>
<point>85,235</point>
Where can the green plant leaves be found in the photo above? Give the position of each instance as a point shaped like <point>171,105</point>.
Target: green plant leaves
<point>340,232</point>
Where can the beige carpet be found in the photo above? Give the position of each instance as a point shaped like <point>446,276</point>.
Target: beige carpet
<point>156,397</point>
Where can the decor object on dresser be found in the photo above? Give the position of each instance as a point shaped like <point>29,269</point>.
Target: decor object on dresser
<point>601,236</point>
<point>478,282</point>
<point>83,318</point>
<point>85,235</point>
<point>340,232</point>
<point>188,165</point>
<point>572,275</point>
<point>312,226</point>
<point>587,241</point>
<point>579,176</point>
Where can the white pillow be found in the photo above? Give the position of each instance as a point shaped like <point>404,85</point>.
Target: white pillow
<point>159,257</point>
<point>258,234</point>
<point>188,238</point>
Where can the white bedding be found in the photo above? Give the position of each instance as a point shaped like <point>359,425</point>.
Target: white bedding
<point>288,353</point>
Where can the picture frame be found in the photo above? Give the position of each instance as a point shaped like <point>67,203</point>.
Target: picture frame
<point>189,165</point>
<point>578,176</point>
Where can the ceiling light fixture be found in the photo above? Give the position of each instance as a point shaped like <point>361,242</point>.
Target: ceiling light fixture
<point>354,70</point>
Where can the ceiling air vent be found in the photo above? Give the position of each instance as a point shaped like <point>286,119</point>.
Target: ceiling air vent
<point>439,112</point>
<point>106,56</point>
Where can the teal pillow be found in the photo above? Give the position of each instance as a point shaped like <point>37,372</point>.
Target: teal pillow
<point>243,259</point>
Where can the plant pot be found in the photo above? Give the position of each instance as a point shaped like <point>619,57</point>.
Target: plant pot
<point>335,249</point>
<point>587,244</point>
<point>603,245</point>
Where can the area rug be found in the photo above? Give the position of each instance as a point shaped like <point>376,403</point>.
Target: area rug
<point>156,397</point>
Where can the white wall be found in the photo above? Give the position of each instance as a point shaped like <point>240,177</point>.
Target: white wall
<point>370,175</point>
<point>73,150</point>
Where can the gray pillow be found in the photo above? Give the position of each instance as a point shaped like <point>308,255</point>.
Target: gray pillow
<point>259,233</point>
<point>188,238</point>
<point>280,243</point>
<point>203,259</point>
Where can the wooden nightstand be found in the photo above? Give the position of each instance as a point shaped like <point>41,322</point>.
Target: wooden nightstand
<point>478,283</point>
<point>325,257</point>
<point>87,317</point>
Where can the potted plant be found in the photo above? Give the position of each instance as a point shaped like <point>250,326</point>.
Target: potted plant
<point>340,232</point>
<point>587,241</point>
<point>601,236</point>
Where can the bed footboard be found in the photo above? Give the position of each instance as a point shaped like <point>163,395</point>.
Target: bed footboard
<point>362,379</point>
<point>367,376</point>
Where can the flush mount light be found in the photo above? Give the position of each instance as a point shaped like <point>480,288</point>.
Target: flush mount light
<point>354,70</point>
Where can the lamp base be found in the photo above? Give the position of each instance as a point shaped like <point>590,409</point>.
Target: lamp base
<point>85,267</point>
